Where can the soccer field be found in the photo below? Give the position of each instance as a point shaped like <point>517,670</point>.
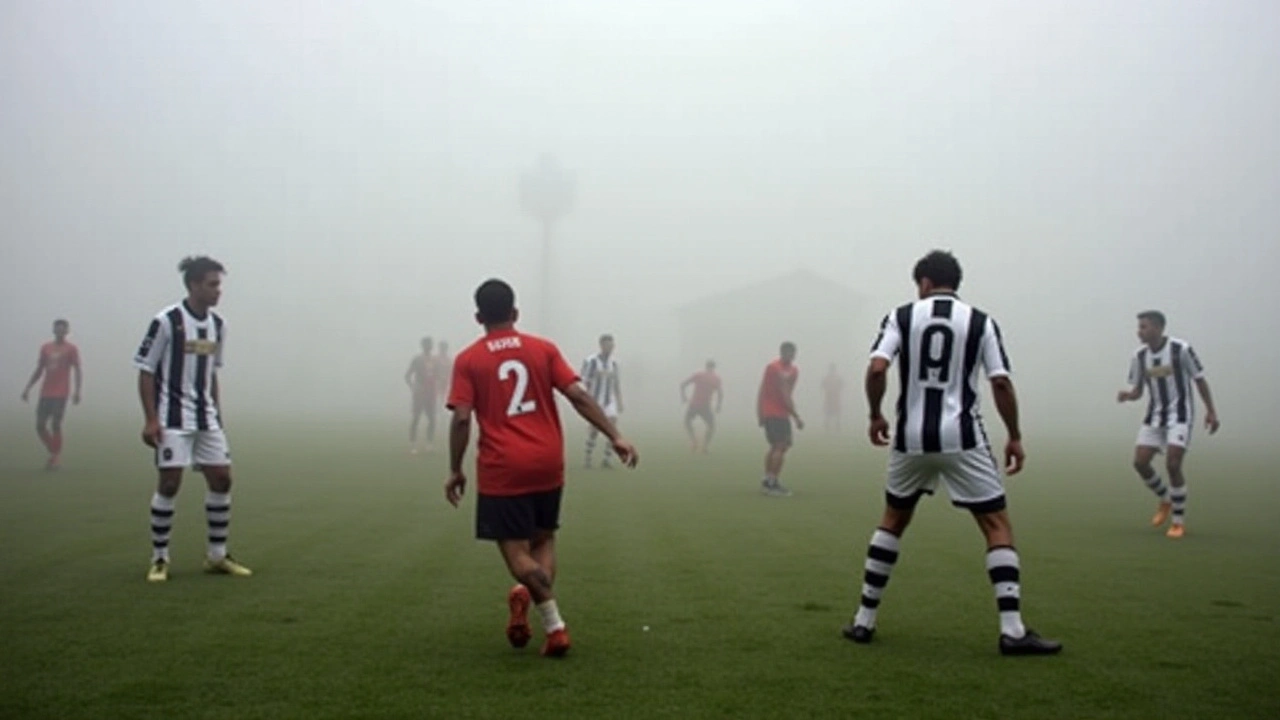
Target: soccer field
<point>371,599</point>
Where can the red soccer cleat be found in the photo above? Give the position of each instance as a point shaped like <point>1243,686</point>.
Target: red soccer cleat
<point>518,630</point>
<point>557,644</point>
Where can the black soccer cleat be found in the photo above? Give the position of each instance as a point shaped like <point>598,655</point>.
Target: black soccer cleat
<point>858,633</point>
<point>1029,644</point>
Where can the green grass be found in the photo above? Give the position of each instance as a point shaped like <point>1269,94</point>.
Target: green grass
<point>370,598</point>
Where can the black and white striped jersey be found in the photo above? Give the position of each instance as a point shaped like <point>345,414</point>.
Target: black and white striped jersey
<point>182,352</point>
<point>600,377</point>
<point>939,343</point>
<point>1167,376</point>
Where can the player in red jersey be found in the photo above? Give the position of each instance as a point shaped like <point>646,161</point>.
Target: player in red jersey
<point>57,361</point>
<point>423,379</point>
<point>832,391</point>
<point>508,380</point>
<point>705,385</point>
<point>775,410</point>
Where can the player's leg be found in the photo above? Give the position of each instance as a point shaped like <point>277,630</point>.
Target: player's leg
<point>417,408</point>
<point>592,435</point>
<point>1149,442</point>
<point>606,462</point>
<point>689,415</point>
<point>907,480</point>
<point>43,410</point>
<point>973,481</point>
<point>57,411</point>
<point>1178,439</point>
<point>546,507</point>
<point>430,410</point>
<point>172,455</point>
<point>710,419</point>
<point>214,459</point>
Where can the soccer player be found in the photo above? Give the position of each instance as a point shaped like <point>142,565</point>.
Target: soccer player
<point>775,409</point>
<point>507,379</point>
<point>941,345</point>
<point>178,364</point>
<point>832,390</point>
<point>706,384</point>
<point>444,370</point>
<point>423,379</point>
<point>1166,367</point>
<point>600,375</point>
<point>56,362</point>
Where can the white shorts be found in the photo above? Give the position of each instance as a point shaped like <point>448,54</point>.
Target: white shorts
<point>1162,437</point>
<point>972,478</point>
<point>192,448</point>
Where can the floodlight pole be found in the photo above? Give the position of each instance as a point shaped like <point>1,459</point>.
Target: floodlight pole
<point>546,193</point>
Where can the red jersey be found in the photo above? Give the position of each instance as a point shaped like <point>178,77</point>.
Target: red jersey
<point>57,359</point>
<point>509,379</point>
<point>705,384</point>
<point>775,388</point>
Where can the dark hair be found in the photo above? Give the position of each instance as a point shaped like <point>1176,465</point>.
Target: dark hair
<point>605,337</point>
<point>941,267</point>
<point>787,347</point>
<point>426,341</point>
<point>62,321</point>
<point>1154,316</point>
<point>194,268</point>
<point>495,301</point>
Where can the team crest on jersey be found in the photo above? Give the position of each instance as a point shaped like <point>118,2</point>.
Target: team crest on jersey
<point>1160,371</point>
<point>201,347</point>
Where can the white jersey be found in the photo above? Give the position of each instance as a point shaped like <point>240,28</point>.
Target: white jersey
<point>939,343</point>
<point>183,352</point>
<point>1167,374</point>
<point>600,376</point>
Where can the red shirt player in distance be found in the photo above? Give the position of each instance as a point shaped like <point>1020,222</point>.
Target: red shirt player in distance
<point>508,380</point>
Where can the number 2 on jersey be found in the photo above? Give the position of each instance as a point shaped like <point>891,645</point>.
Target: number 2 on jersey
<point>519,405</point>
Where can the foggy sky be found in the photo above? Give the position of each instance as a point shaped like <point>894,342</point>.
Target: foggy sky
<point>356,166</point>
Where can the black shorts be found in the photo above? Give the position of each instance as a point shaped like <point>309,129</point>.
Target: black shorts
<point>51,407</point>
<point>705,413</point>
<point>517,517</point>
<point>777,431</point>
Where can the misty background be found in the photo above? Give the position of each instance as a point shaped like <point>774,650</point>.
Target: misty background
<point>357,168</point>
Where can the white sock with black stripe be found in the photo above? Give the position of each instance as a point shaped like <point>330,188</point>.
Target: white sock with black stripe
<point>1178,497</point>
<point>161,526</point>
<point>1004,572</point>
<point>217,509</point>
<point>1157,486</point>
<point>882,553</point>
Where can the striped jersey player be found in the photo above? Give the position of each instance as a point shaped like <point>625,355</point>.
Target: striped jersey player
<point>178,362</point>
<point>600,377</point>
<point>943,347</point>
<point>1165,368</point>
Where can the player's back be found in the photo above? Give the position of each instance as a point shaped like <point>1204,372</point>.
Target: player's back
<point>510,379</point>
<point>940,343</point>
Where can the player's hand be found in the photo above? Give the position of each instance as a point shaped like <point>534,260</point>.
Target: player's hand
<point>799,423</point>
<point>626,452</point>
<point>455,488</point>
<point>1211,422</point>
<point>151,434</point>
<point>760,420</point>
<point>1014,457</point>
<point>75,399</point>
<point>878,431</point>
<point>1123,396</point>
<point>26,396</point>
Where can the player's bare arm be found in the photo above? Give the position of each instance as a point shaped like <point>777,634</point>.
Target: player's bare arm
<point>1006,401</point>
<point>409,373</point>
<point>151,423</point>
<point>590,410</point>
<point>876,382</point>
<point>75,369</point>
<point>1211,412</point>
<point>35,377</point>
<point>1134,393</point>
<point>459,438</point>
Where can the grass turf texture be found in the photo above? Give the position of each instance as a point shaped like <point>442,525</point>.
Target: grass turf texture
<point>370,598</point>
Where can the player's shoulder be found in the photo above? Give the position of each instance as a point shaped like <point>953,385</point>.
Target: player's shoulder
<point>1179,342</point>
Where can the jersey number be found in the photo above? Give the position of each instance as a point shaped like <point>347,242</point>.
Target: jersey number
<point>519,405</point>
<point>936,345</point>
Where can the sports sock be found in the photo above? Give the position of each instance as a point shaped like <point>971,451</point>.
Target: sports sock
<point>1157,486</point>
<point>217,509</point>
<point>161,524</point>
<point>1003,570</point>
<point>551,621</point>
<point>882,553</point>
<point>1178,496</point>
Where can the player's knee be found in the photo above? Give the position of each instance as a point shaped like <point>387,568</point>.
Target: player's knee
<point>218,479</point>
<point>1173,465</point>
<point>168,484</point>
<point>1142,465</point>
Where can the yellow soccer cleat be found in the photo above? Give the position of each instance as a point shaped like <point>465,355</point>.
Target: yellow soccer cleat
<point>226,566</point>
<point>159,571</point>
<point>1175,531</point>
<point>1162,514</point>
